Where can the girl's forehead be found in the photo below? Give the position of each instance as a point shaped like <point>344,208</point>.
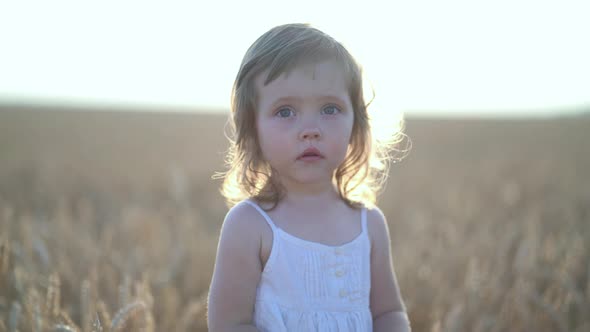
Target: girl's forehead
<point>327,69</point>
<point>325,75</point>
<point>305,80</point>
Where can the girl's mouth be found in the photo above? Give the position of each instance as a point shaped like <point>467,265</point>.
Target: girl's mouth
<point>310,158</point>
<point>310,154</point>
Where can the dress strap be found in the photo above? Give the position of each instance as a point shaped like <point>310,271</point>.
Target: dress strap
<point>364,219</point>
<point>263,213</point>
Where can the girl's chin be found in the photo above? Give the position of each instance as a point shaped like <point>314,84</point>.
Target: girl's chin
<point>312,178</point>
<point>308,175</point>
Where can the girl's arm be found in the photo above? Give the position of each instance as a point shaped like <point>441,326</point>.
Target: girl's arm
<point>237,272</point>
<point>387,307</point>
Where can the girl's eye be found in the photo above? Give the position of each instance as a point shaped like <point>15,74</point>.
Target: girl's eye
<point>330,110</point>
<point>284,112</point>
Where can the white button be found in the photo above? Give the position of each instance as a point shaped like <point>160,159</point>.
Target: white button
<point>343,293</point>
<point>338,251</point>
<point>339,273</point>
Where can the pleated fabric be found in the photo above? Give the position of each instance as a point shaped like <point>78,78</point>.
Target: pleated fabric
<point>309,286</point>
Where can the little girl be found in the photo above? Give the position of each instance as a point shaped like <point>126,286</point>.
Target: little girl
<point>303,247</point>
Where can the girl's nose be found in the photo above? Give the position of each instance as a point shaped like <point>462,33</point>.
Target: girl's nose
<point>310,133</point>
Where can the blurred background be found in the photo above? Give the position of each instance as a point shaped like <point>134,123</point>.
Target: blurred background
<point>112,122</point>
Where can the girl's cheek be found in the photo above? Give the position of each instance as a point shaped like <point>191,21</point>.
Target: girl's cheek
<point>341,126</point>
<point>274,131</point>
<point>284,127</point>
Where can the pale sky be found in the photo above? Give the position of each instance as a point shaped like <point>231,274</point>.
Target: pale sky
<point>500,56</point>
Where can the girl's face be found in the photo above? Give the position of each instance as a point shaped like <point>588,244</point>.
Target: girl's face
<point>308,108</point>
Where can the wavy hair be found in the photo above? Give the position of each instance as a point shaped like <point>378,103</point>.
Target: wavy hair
<point>364,169</point>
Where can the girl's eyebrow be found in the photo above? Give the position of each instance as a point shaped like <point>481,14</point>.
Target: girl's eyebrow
<point>282,100</point>
<point>294,99</point>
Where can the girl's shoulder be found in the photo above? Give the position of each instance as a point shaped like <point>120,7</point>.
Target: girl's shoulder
<point>376,222</point>
<point>374,213</point>
<point>245,222</point>
<point>245,214</point>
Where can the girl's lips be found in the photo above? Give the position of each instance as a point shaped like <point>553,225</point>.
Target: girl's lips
<point>310,158</point>
<point>310,154</point>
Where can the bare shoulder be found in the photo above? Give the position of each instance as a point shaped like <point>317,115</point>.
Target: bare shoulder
<point>377,225</point>
<point>244,228</point>
<point>244,222</point>
<point>237,268</point>
<point>385,293</point>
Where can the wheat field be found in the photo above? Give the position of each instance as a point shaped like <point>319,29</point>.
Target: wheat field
<point>109,221</point>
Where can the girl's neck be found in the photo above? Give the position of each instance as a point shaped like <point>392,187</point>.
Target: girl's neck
<point>317,198</point>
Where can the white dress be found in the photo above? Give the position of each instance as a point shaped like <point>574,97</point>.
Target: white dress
<point>309,286</point>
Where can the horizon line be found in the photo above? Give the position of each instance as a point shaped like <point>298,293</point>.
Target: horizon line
<point>119,106</point>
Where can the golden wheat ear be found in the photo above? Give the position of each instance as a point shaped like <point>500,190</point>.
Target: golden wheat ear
<point>133,313</point>
<point>33,310</point>
<point>63,328</point>
<point>104,316</point>
<point>4,252</point>
<point>96,326</point>
<point>87,306</point>
<point>65,319</point>
<point>193,314</point>
<point>14,316</point>
<point>52,298</point>
<point>4,261</point>
<point>124,291</point>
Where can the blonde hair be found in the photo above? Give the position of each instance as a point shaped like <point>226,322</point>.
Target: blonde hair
<point>364,170</point>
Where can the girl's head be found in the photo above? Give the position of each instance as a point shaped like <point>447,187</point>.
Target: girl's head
<point>297,88</point>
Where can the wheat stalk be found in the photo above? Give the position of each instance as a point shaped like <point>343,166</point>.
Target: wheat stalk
<point>128,315</point>
<point>85,305</point>
<point>52,308</point>
<point>124,291</point>
<point>104,316</point>
<point>4,258</point>
<point>96,326</point>
<point>66,320</point>
<point>33,310</point>
<point>549,310</point>
<point>63,328</point>
<point>14,317</point>
<point>191,314</point>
